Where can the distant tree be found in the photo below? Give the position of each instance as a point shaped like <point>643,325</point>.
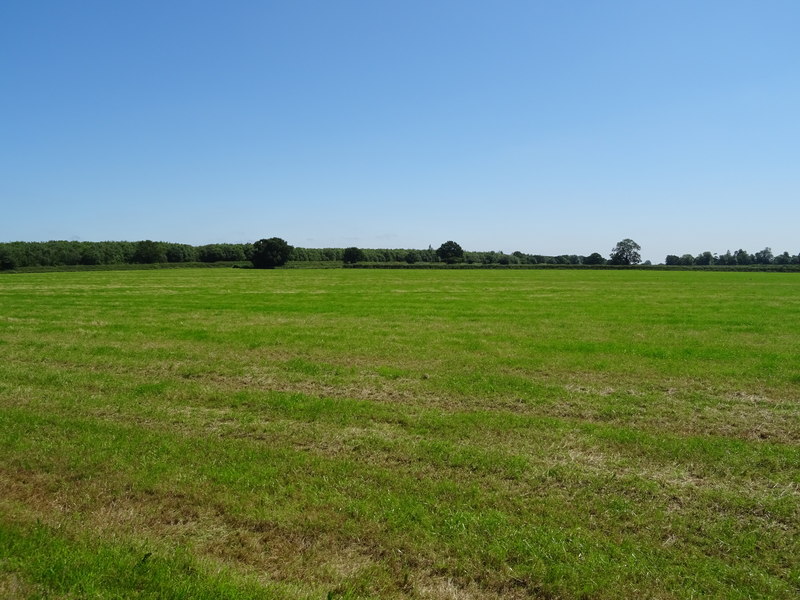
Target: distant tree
<point>726,259</point>
<point>450,252</point>
<point>181,253</point>
<point>270,253</point>
<point>7,261</point>
<point>247,250</point>
<point>352,255</point>
<point>672,260</point>
<point>782,259</point>
<point>687,260</point>
<point>412,256</point>
<point>428,255</point>
<point>148,251</point>
<point>90,254</point>
<point>486,258</point>
<point>764,257</point>
<point>222,252</point>
<point>742,257</point>
<point>704,258</point>
<point>595,258</point>
<point>626,252</point>
<point>63,252</point>
<point>331,254</point>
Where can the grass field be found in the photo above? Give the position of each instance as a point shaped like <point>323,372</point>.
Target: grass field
<point>399,434</point>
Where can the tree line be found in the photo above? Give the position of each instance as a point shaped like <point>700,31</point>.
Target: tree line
<point>275,251</point>
<point>740,257</point>
<point>58,253</point>
<point>62,253</point>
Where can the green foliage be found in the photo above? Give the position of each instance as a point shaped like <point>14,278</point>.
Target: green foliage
<point>352,255</point>
<point>595,258</point>
<point>763,257</point>
<point>223,252</point>
<point>60,253</point>
<point>148,251</point>
<point>742,257</point>
<point>178,253</point>
<point>7,260</point>
<point>450,252</point>
<point>626,252</point>
<point>704,259</point>
<point>270,253</point>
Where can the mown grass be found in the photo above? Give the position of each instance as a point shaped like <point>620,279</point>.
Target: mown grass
<point>400,434</point>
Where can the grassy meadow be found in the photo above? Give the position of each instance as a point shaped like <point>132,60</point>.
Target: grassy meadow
<point>232,433</point>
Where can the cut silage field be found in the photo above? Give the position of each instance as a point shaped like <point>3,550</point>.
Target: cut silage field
<point>399,434</point>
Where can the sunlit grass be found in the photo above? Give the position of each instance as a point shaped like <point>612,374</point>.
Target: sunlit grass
<point>411,434</point>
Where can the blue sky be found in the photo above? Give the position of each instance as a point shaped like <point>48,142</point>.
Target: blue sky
<point>545,127</point>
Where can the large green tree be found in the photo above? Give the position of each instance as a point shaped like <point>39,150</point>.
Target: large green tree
<point>626,252</point>
<point>450,252</point>
<point>270,253</point>
<point>352,255</point>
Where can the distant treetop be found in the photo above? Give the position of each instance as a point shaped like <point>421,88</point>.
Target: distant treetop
<point>352,255</point>
<point>270,253</point>
<point>450,252</point>
<point>626,252</point>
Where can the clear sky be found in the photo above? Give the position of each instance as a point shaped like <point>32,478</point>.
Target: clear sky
<point>546,127</point>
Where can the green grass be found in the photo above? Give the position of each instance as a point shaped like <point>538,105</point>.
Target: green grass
<point>400,434</point>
